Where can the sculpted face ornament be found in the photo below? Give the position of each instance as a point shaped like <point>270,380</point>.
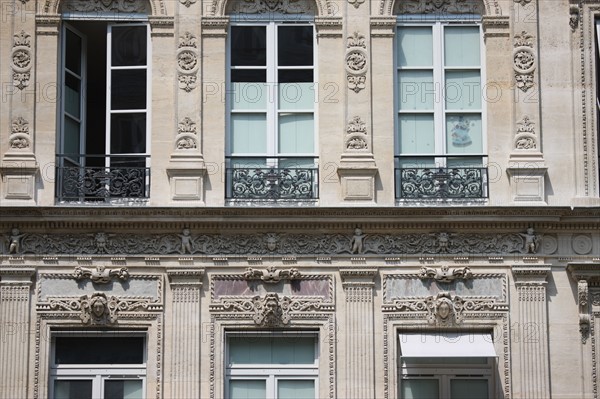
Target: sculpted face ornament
<point>101,275</point>
<point>272,241</point>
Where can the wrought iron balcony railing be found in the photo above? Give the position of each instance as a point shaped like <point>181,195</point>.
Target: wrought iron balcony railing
<point>272,183</point>
<point>123,179</point>
<point>445,182</point>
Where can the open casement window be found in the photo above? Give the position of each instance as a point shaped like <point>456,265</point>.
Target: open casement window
<point>271,97</point>
<point>440,135</point>
<point>104,111</point>
<point>271,366</point>
<point>446,366</point>
<point>93,366</point>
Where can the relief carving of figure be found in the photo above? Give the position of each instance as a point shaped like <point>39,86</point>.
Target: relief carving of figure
<point>186,241</point>
<point>101,242</point>
<point>14,241</point>
<point>357,242</point>
<point>531,241</point>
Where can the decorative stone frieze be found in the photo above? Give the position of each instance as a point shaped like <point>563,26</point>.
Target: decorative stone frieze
<point>444,275</point>
<point>440,7</point>
<point>329,26</point>
<point>270,7</point>
<point>95,6</point>
<point>271,275</point>
<point>21,59</point>
<point>187,62</point>
<point>524,62</point>
<point>101,275</point>
<point>356,62</point>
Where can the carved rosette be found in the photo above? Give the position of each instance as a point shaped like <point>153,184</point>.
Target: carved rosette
<point>187,138</point>
<point>356,62</point>
<point>524,60</point>
<point>270,7</point>
<point>187,62</point>
<point>19,138</point>
<point>525,138</point>
<point>21,59</point>
<point>356,135</point>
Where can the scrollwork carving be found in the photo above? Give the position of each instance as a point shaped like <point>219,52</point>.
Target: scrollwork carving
<point>444,274</point>
<point>356,62</point>
<point>124,6</point>
<point>440,7</point>
<point>356,135</point>
<point>19,138</point>
<point>187,62</point>
<point>187,136</point>
<point>525,138</point>
<point>270,6</point>
<point>524,60</point>
<point>271,274</point>
<point>101,275</point>
<point>21,59</point>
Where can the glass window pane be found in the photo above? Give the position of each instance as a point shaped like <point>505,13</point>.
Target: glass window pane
<point>420,389</point>
<point>295,45</point>
<point>72,137</point>
<point>128,45</point>
<point>295,75</point>
<point>297,163</point>
<point>295,389</point>
<point>249,75</point>
<point>469,389</point>
<point>128,133</point>
<point>466,162</point>
<point>464,134</point>
<point>128,89</point>
<point>73,52</point>
<point>272,350</point>
<point>416,90</point>
<point>296,133</point>
<point>415,46</point>
<point>249,133</point>
<point>463,90</point>
<point>248,95</point>
<point>418,163</point>
<point>248,46</point>
<point>115,350</point>
<point>249,163</point>
<point>417,133</point>
<point>247,389</point>
<point>123,389</point>
<point>72,389</point>
<point>72,95</point>
<point>461,46</point>
<point>296,96</point>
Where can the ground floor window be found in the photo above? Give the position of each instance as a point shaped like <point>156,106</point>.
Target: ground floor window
<point>272,365</point>
<point>446,366</point>
<point>98,366</point>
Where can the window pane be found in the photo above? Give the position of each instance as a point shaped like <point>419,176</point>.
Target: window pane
<point>128,45</point>
<point>295,45</point>
<point>115,350</point>
<point>415,46</point>
<point>123,389</point>
<point>461,46</point>
<point>128,89</point>
<point>248,46</point>
<point>272,350</point>
<point>297,163</point>
<point>250,163</point>
<point>72,137</point>
<point>418,163</point>
<point>296,96</point>
<point>72,95</point>
<point>295,389</point>
<point>416,90</point>
<point>296,133</point>
<point>73,389</point>
<point>248,95</point>
<point>295,75</point>
<point>128,133</point>
<point>417,133</point>
<point>463,90</point>
<point>468,389</point>
<point>420,389</point>
<point>249,133</point>
<point>73,52</point>
<point>464,134</point>
<point>247,389</point>
<point>466,162</point>
<point>249,75</point>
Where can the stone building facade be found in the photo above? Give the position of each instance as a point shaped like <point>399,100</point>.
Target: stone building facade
<point>299,198</point>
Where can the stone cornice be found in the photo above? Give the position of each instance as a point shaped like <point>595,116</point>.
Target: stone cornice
<point>589,272</point>
<point>531,274</point>
<point>186,277</point>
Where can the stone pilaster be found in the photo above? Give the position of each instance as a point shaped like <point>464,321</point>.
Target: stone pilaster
<point>359,367</point>
<point>186,332</point>
<point>534,365</point>
<point>15,307</point>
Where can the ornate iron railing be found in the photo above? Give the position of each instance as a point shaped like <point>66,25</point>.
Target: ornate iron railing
<point>271,183</point>
<point>95,183</point>
<point>433,183</point>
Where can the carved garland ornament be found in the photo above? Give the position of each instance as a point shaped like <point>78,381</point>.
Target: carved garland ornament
<point>271,275</point>
<point>187,138</point>
<point>187,62</point>
<point>441,7</point>
<point>126,6</point>
<point>21,59</point>
<point>525,138</point>
<point>19,138</point>
<point>101,275</point>
<point>356,135</point>
<point>444,275</point>
<point>524,60</point>
<point>269,7</point>
<point>356,62</point>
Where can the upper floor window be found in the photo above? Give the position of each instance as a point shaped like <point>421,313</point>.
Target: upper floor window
<point>440,142</point>
<point>103,147</point>
<point>271,143</point>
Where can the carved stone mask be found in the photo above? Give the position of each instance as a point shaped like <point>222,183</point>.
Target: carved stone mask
<point>443,310</point>
<point>98,308</point>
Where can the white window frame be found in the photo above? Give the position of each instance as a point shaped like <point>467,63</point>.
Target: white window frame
<point>438,24</point>
<point>272,112</point>
<point>97,373</point>
<point>269,372</point>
